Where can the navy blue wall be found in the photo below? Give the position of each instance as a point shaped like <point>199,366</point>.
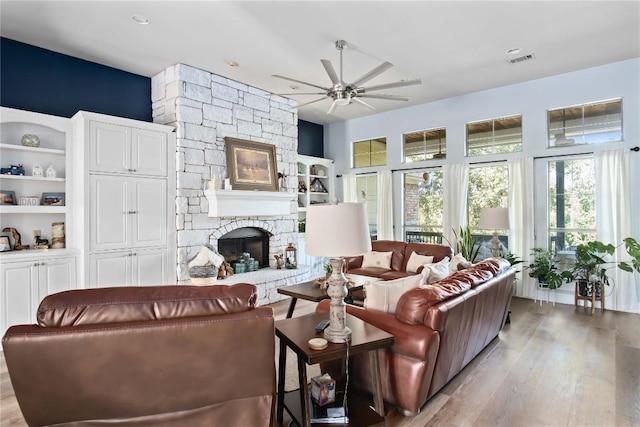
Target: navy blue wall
<point>310,139</point>
<point>40,80</point>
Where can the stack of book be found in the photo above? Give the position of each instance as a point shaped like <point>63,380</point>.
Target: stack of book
<point>331,413</point>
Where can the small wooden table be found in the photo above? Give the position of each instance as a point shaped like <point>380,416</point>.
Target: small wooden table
<point>295,333</point>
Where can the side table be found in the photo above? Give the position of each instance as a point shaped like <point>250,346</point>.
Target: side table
<point>295,333</point>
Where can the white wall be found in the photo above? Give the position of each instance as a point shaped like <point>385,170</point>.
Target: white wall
<point>530,99</point>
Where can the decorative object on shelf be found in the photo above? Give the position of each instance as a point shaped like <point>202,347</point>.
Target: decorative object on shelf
<point>37,170</point>
<point>278,261</point>
<point>302,187</point>
<point>225,270</point>
<point>7,197</point>
<point>205,266</point>
<point>494,219</point>
<point>29,200</point>
<point>227,184</point>
<point>30,140</point>
<point>317,186</point>
<point>302,224</point>
<point>282,178</point>
<point>337,230</point>
<point>52,199</point>
<point>5,244</point>
<point>251,165</point>
<point>291,257</point>
<point>57,235</point>
<point>51,172</point>
<point>39,242</point>
<point>215,183</point>
<point>13,170</point>
<point>313,170</point>
<point>17,239</point>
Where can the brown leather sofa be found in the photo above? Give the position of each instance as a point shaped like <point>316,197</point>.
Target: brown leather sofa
<point>399,258</point>
<point>438,330</point>
<point>146,356</point>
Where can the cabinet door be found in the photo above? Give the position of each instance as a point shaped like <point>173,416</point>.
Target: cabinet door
<point>18,293</point>
<point>110,148</point>
<point>149,202</point>
<point>110,269</point>
<point>110,213</point>
<point>149,152</point>
<point>56,275</point>
<point>149,267</point>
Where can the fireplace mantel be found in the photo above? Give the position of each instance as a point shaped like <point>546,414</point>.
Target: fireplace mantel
<point>231,203</point>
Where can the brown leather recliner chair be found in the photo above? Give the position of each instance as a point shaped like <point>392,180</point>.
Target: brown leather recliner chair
<point>146,356</point>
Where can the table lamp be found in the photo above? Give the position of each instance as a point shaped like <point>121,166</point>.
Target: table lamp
<point>333,231</point>
<point>494,219</point>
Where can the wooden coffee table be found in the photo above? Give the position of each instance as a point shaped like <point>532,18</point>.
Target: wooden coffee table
<point>295,333</point>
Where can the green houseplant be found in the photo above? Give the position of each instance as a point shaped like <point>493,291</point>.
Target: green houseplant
<point>544,269</point>
<point>589,269</point>
<point>465,244</point>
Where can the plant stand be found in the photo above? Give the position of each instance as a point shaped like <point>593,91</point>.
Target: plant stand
<point>592,299</point>
<point>540,287</point>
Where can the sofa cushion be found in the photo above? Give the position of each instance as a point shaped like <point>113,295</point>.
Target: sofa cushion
<point>458,262</point>
<point>438,252</point>
<point>377,260</point>
<point>384,295</point>
<point>413,304</point>
<point>436,271</point>
<point>416,261</point>
<point>398,260</point>
<point>130,304</point>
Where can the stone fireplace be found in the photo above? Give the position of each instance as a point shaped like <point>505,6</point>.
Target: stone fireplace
<point>205,108</point>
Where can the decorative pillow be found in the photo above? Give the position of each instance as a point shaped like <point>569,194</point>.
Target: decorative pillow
<point>457,261</point>
<point>437,271</point>
<point>416,261</point>
<point>384,295</point>
<point>377,260</point>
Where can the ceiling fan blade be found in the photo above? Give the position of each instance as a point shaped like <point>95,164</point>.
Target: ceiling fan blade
<point>382,96</point>
<point>361,102</point>
<point>390,85</point>
<point>300,81</point>
<point>373,73</point>
<point>328,67</point>
<point>301,93</point>
<point>311,102</point>
<point>332,108</point>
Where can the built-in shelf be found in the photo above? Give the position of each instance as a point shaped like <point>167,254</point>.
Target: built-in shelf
<point>12,209</point>
<point>231,203</point>
<point>16,147</point>
<point>32,178</point>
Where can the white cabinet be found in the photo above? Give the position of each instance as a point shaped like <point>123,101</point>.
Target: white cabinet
<point>129,268</point>
<point>24,283</point>
<point>128,188</point>
<point>123,149</point>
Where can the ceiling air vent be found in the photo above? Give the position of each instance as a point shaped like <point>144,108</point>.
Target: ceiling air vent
<point>521,59</point>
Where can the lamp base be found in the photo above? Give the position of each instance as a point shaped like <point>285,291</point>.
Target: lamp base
<point>495,245</point>
<point>337,332</point>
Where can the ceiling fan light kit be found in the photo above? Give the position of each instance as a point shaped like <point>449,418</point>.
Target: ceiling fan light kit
<point>344,93</point>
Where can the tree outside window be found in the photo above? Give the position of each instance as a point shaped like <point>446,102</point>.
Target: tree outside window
<point>423,206</point>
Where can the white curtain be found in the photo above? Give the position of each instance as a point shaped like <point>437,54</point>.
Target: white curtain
<point>613,223</point>
<point>521,222</point>
<point>385,206</point>
<point>349,191</point>
<point>455,181</point>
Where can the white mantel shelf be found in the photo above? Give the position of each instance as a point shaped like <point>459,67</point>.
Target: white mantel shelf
<point>231,203</point>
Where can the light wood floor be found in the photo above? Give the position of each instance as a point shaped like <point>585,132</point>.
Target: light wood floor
<point>552,366</point>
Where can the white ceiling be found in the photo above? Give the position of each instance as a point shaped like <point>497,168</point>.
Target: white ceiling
<point>455,47</point>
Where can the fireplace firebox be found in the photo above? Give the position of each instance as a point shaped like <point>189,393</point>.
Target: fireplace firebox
<point>253,240</point>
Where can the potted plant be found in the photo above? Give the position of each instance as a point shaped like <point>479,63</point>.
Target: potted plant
<point>589,269</point>
<point>465,244</point>
<point>544,269</point>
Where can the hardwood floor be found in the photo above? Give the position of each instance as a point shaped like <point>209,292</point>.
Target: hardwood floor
<point>552,366</point>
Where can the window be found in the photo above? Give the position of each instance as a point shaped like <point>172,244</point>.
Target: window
<point>423,206</point>
<point>425,145</point>
<point>585,124</point>
<point>372,152</point>
<point>572,203</point>
<point>488,188</point>
<point>367,188</point>
<point>494,136</point>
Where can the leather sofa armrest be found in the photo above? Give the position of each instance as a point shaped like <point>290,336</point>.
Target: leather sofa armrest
<point>352,262</point>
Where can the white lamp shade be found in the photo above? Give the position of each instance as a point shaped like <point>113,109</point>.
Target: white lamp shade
<point>494,218</point>
<point>335,230</point>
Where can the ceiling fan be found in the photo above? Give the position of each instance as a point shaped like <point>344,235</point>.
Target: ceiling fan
<point>343,93</point>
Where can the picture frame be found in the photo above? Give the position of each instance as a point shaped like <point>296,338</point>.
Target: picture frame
<point>29,201</point>
<point>5,244</point>
<point>7,197</point>
<point>251,165</point>
<point>52,199</point>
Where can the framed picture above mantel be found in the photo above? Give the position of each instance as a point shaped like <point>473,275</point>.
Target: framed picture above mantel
<point>251,165</point>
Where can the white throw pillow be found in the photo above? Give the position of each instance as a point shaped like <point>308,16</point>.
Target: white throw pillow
<point>455,261</point>
<point>437,271</point>
<point>377,260</point>
<point>384,295</point>
<point>416,261</point>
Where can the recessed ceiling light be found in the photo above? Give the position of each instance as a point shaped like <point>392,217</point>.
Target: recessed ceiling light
<point>139,19</point>
<point>233,64</point>
<point>513,51</point>
<point>294,87</point>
